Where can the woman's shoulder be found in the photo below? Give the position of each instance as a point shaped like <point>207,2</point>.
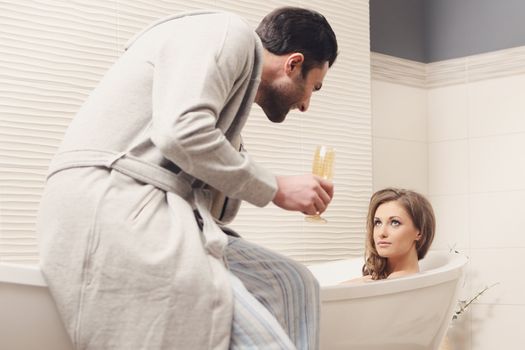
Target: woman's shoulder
<point>358,280</point>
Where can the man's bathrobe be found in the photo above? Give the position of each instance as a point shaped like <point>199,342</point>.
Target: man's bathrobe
<point>125,258</point>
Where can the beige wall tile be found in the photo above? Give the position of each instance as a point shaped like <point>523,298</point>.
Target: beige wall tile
<point>503,266</point>
<point>448,170</point>
<point>451,221</point>
<point>496,219</point>
<point>497,163</point>
<point>497,106</point>
<point>398,111</point>
<point>400,164</point>
<point>497,327</point>
<point>447,113</point>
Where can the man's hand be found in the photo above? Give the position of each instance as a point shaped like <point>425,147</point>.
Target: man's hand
<point>308,194</point>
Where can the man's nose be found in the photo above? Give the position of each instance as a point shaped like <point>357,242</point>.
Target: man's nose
<point>303,106</point>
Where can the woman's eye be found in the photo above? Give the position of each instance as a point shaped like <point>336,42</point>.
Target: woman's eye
<point>377,223</point>
<point>395,223</point>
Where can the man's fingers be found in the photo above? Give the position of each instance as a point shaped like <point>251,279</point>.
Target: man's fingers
<point>319,203</point>
<point>328,186</point>
<point>310,210</point>
<point>325,191</point>
<point>306,193</point>
<point>324,196</point>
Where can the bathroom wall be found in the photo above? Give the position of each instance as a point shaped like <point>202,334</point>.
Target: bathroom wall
<point>53,53</point>
<point>473,109</point>
<point>397,28</point>
<point>399,123</point>
<point>477,183</point>
<point>436,30</point>
<point>459,28</point>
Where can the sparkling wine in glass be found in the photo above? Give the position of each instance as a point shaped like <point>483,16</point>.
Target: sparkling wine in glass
<point>322,166</point>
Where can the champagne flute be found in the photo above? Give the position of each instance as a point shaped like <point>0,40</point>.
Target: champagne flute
<point>322,166</point>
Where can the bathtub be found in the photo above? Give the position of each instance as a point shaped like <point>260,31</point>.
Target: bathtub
<point>409,313</point>
<point>28,316</point>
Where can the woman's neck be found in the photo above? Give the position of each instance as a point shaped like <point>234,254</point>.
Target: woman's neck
<point>406,265</point>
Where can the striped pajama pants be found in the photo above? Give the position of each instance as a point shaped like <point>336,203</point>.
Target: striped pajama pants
<point>276,300</point>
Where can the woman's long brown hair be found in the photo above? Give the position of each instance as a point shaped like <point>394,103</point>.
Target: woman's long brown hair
<point>422,215</point>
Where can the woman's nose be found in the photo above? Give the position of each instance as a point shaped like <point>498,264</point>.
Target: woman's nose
<point>382,231</point>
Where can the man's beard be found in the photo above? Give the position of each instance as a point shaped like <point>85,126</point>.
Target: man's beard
<point>277,100</point>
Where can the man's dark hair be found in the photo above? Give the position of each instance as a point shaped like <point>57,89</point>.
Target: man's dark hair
<point>292,29</point>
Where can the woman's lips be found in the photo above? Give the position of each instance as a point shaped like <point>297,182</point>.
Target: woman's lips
<point>383,244</point>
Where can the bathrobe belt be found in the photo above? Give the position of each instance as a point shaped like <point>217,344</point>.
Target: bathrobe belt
<point>172,183</point>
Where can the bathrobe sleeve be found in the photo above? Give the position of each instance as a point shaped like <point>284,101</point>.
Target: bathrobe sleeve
<point>194,76</point>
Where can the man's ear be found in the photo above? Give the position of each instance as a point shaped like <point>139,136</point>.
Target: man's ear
<point>294,63</point>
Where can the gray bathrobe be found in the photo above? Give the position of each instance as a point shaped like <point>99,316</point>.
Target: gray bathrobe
<point>129,265</point>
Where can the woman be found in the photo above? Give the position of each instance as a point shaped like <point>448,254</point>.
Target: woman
<point>400,230</point>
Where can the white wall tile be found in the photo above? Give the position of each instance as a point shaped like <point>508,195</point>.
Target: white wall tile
<point>451,222</point>
<point>497,106</point>
<point>497,163</point>
<point>400,164</point>
<point>496,220</point>
<point>503,266</point>
<point>448,170</point>
<point>398,111</point>
<point>497,327</point>
<point>447,112</point>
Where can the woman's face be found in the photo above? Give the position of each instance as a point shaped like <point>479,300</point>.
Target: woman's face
<point>394,232</point>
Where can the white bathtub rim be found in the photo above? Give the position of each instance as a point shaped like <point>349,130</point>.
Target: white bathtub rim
<point>452,270</point>
<point>30,275</point>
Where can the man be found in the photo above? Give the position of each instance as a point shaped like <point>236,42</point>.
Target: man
<point>131,222</point>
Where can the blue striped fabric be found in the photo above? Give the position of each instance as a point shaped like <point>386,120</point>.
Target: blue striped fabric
<point>253,326</point>
<point>276,299</point>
